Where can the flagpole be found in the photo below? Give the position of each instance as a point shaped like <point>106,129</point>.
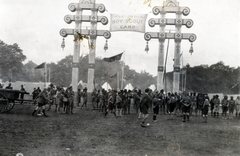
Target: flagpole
<point>123,69</point>
<point>45,74</point>
<point>94,87</point>
<point>185,84</point>
<point>182,72</point>
<point>164,79</point>
<point>49,75</point>
<point>117,81</point>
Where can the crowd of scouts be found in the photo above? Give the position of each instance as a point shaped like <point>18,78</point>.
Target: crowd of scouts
<point>52,96</point>
<point>173,104</point>
<point>120,102</point>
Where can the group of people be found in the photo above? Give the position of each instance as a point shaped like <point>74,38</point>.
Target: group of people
<point>184,104</point>
<point>56,96</point>
<point>119,103</point>
<point>9,86</point>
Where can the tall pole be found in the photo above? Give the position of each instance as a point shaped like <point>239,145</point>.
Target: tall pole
<point>161,67</point>
<point>49,75</point>
<point>123,65</point>
<point>176,66</point>
<point>182,73</point>
<point>165,77</point>
<point>185,84</point>
<point>76,52</point>
<point>118,81</point>
<point>92,51</point>
<point>45,75</point>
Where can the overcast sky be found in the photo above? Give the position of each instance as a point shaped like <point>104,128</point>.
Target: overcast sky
<point>35,24</point>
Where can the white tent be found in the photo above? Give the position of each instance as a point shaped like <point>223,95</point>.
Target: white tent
<point>82,85</point>
<point>106,86</point>
<point>129,87</point>
<point>152,87</point>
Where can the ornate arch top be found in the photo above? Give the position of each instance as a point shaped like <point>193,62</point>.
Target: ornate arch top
<point>86,1</point>
<point>171,3</point>
<point>170,6</point>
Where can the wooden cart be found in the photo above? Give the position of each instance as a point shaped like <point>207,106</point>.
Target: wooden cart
<point>8,98</point>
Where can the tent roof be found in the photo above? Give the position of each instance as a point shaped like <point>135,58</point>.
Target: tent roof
<point>129,86</point>
<point>152,87</point>
<point>106,86</point>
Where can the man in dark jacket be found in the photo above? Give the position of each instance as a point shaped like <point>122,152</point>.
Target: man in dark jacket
<point>42,100</point>
<point>145,104</point>
<point>186,106</point>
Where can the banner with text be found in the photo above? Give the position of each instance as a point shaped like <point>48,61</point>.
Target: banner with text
<point>126,22</point>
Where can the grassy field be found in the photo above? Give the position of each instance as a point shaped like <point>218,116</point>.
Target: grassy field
<point>88,133</point>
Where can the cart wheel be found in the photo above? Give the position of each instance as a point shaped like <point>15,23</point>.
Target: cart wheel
<point>3,103</point>
<point>10,106</point>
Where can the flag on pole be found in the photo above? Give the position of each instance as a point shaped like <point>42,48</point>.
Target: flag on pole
<point>40,66</point>
<point>128,77</point>
<point>113,58</point>
<point>113,76</point>
<point>43,66</point>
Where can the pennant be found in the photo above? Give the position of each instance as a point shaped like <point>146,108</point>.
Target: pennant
<point>113,76</point>
<point>129,77</point>
<point>40,66</point>
<point>113,58</point>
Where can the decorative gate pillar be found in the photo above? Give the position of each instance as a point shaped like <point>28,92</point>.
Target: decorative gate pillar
<point>170,6</point>
<point>79,34</point>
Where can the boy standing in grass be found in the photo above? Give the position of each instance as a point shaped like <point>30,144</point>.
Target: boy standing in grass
<point>206,105</point>
<point>224,107</point>
<point>144,104</point>
<point>231,107</point>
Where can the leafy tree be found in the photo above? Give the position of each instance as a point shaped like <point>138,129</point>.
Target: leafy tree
<point>218,78</point>
<point>11,61</point>
<point>30,74</point>
<point>61,73</point>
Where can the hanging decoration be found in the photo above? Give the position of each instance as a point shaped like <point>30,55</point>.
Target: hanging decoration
<point>63,44</point>
<point>147,47</point>
<point>106,46</point>
<point>191,49</point>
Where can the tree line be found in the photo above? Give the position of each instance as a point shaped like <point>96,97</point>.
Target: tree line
<point>216,78</point>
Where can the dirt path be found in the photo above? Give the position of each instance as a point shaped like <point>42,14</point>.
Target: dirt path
<point>87,132</point>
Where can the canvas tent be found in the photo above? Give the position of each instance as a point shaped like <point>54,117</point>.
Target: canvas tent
<point>82,85</point>
<point>129,87</point>
<point>106,86</point>
<point>152,87</point>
